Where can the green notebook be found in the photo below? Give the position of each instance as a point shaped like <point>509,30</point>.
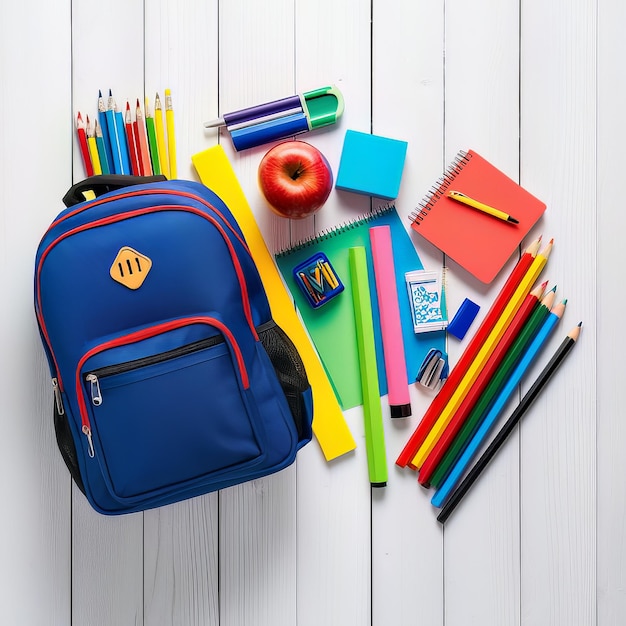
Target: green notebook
<point>332,327</point>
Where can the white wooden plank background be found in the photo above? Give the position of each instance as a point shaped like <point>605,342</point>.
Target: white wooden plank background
<point>536,86</point>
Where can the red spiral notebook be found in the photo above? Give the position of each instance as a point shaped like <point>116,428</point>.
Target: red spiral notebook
<point>477,241</point>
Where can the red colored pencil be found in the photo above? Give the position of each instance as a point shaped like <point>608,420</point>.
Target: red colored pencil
<point>82,142</point>
<point>137,136</point>
<point>132,150</point>
<point>456,375</point>
<point>458,419</point>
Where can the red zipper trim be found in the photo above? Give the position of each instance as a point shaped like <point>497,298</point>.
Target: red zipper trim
<point>118,218</point>
<point>147,333</point>
<point>147,192</point>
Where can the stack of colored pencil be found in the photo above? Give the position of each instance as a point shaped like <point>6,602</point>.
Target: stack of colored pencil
<point>478,388</point>
<point>119,143</point>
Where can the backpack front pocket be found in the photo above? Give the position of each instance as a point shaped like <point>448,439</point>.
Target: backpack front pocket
<point>159,420</point>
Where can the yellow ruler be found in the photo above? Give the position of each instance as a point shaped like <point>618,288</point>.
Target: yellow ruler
<point>329,425</point>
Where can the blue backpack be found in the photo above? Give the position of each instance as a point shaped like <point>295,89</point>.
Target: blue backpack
<point>170,377</point>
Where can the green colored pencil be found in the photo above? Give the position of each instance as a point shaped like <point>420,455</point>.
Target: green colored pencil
<point>372,409</point>
<point>152,141</point>
<point>483,404</point>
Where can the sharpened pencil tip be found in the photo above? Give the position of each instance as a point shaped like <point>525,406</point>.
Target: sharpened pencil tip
<point>553,289</point>
<point>99,93</point>
<point>564,301</point>
<point>110,93</point>
<point>580,324</point>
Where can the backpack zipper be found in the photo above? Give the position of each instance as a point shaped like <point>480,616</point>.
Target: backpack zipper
<point>96,394</point>
<point>57,396</point>
<point>93,377</point>
<point>128,215</point>
<point>140,335</point>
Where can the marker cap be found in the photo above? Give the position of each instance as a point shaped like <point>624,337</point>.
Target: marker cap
<point>400,410</point>
<point>324,106</point>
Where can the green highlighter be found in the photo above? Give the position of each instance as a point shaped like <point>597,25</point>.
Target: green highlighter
<point>372,409</point>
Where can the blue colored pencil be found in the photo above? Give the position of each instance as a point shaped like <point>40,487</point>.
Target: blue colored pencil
<point>446,489</point>
<point>122,142</point>
<point>116,163</point>
<point>106,140</point>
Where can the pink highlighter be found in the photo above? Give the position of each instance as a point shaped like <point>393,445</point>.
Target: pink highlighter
<point>391,327</point>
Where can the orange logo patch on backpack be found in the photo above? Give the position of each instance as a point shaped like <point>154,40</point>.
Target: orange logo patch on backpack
<point>130,268</point>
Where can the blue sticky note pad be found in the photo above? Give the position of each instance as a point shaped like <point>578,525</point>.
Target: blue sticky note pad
<point>371,165</point>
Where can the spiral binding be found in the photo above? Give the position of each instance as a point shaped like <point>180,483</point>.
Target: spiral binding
<point>438,190</point>
<point>335,230</point>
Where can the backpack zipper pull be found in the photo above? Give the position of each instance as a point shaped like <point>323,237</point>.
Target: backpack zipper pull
<point>96,395</point>
<point>57,396</point>
<point>87,433</point>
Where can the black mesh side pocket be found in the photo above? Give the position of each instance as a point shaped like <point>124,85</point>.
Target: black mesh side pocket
<point>290,372</point>
<point>65,441</point>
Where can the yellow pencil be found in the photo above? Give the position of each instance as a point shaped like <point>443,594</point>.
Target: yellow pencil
<point>160,136</point>
<point>171,137</point>
<point>93,148</point>
<point>483,355</point>
<point>481,206</point>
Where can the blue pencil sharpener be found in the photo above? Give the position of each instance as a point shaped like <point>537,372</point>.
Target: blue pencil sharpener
<point>317,280</point>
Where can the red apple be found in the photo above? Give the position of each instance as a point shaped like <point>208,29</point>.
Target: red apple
<point>295,179</point>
